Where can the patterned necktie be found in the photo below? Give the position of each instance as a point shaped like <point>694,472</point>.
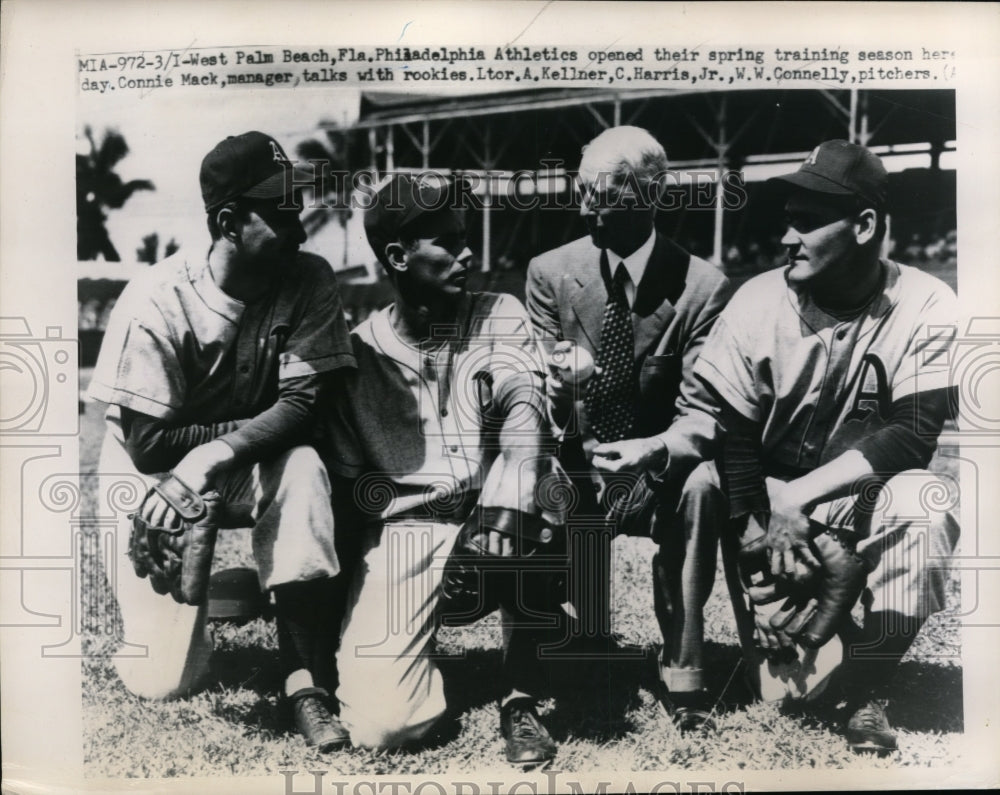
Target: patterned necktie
<point>610,398</point>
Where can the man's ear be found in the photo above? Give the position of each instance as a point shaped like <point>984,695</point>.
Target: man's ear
<point>658,190</point>
<point>395,253</point>
<point>228,222</point>
<point>865,224</point>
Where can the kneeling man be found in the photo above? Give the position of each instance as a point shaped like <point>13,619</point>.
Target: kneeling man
<point>213,365</point>
<point>443,425</point>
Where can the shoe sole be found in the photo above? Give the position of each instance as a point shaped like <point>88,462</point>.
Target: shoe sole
<point>872,748</point>
<point>531,763</point>
<point>708,725</point>
<point>330,745</point>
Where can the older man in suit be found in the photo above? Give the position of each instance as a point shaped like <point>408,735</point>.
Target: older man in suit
<point>633,432</point>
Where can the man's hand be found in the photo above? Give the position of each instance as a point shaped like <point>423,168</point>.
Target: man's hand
<point>774,642</point>
<point>198,469</point>
<point>558,391</point>
<point>571,364</point>
<point>631,455</point>
<point>788,536</point>
<point>570,367</point>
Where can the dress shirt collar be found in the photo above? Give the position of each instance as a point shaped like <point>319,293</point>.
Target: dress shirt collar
<point>635,264</point>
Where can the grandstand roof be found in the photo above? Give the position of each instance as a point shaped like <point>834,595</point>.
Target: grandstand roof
<point>755,123</point>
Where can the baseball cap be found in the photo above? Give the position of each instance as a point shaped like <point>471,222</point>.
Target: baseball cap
<point>253,165</point>
<point>840,168</point>
<point>400,199</point>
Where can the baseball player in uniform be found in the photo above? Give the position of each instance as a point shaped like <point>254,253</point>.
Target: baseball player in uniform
<point>834,398</point>
<point>409,431</point>
<point>641,307</point>
<point>212,366</point>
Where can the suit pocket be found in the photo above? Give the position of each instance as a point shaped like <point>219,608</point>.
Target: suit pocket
<point>659,384</point>
<point>663,366</point>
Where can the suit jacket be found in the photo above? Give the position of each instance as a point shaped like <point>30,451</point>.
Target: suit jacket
<point>676,303</point>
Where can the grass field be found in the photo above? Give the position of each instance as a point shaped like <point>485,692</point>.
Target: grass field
<point>609,721</point>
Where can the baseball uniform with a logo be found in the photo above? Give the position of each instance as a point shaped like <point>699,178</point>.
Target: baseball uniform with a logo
<point>409,430</point>
<point>181,350</point>
<point>817,385</point>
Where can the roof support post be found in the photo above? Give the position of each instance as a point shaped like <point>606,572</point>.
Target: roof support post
<point>864,136</point>
<point>425,144</point>
<point>487,195</point>
<point>722,148</point>
<point>852,124</point>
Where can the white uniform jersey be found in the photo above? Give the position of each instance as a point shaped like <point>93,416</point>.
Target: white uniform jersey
<point>818,384</point>
<point>411,424</point>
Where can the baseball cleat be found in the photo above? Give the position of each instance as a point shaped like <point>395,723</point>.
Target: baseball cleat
<point>691,711</point>
<point>868,731</point>
<point>528,741</point>
<point>315,722</point>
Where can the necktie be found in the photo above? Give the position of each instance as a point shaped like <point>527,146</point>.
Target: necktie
<point>610,398</point>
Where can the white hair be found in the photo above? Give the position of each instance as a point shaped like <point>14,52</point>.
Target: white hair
<point>622,151</point>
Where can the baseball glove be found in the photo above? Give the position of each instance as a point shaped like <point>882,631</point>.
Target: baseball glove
<point>466,594</point>
<point>813,610</point>
<point>177,560</point>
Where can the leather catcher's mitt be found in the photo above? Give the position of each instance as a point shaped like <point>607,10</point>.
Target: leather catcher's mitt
<point>813,610</point>
<point>465,592</point>
<point>177,560</point>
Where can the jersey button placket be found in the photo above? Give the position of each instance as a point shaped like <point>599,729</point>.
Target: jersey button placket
<point>245,354</point>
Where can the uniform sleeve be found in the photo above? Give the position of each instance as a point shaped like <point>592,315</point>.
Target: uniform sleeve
<point>342,449</point>
<point>910,434</point>
<point>138,366</point>
<point>515,364</point>
<point>286,424</point>
<point>740,463</point>
<point>515,345</point>
<point>724,369</point>
<point>543,309</point>
<point>320,341</point>
<point>693,434</point>
<point>926,363</point>
<point>157,446</point>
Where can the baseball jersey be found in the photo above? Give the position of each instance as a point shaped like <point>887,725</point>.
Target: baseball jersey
<point>818,385</point>
<point>178,348</point>
<point>409,422</point>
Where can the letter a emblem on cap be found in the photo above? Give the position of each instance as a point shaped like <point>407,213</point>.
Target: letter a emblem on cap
<point>811,160</point>
<point>279,156</point>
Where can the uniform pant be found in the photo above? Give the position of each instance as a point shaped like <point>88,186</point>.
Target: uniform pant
<point>288,500</point>
<point>391,689</point>
<point>906,533</point>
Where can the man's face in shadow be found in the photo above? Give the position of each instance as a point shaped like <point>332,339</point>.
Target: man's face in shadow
<point>619,209</point>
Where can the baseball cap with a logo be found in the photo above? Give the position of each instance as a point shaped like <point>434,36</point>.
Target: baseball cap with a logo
<point>253,165</point>
<point>840,168</point>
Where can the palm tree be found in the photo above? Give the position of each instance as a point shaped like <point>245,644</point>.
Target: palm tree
<point>331,160</point>
<point>149,251</point>
<point>98,187</point>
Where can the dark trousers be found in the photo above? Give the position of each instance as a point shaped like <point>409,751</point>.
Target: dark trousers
<point>684,526</point>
